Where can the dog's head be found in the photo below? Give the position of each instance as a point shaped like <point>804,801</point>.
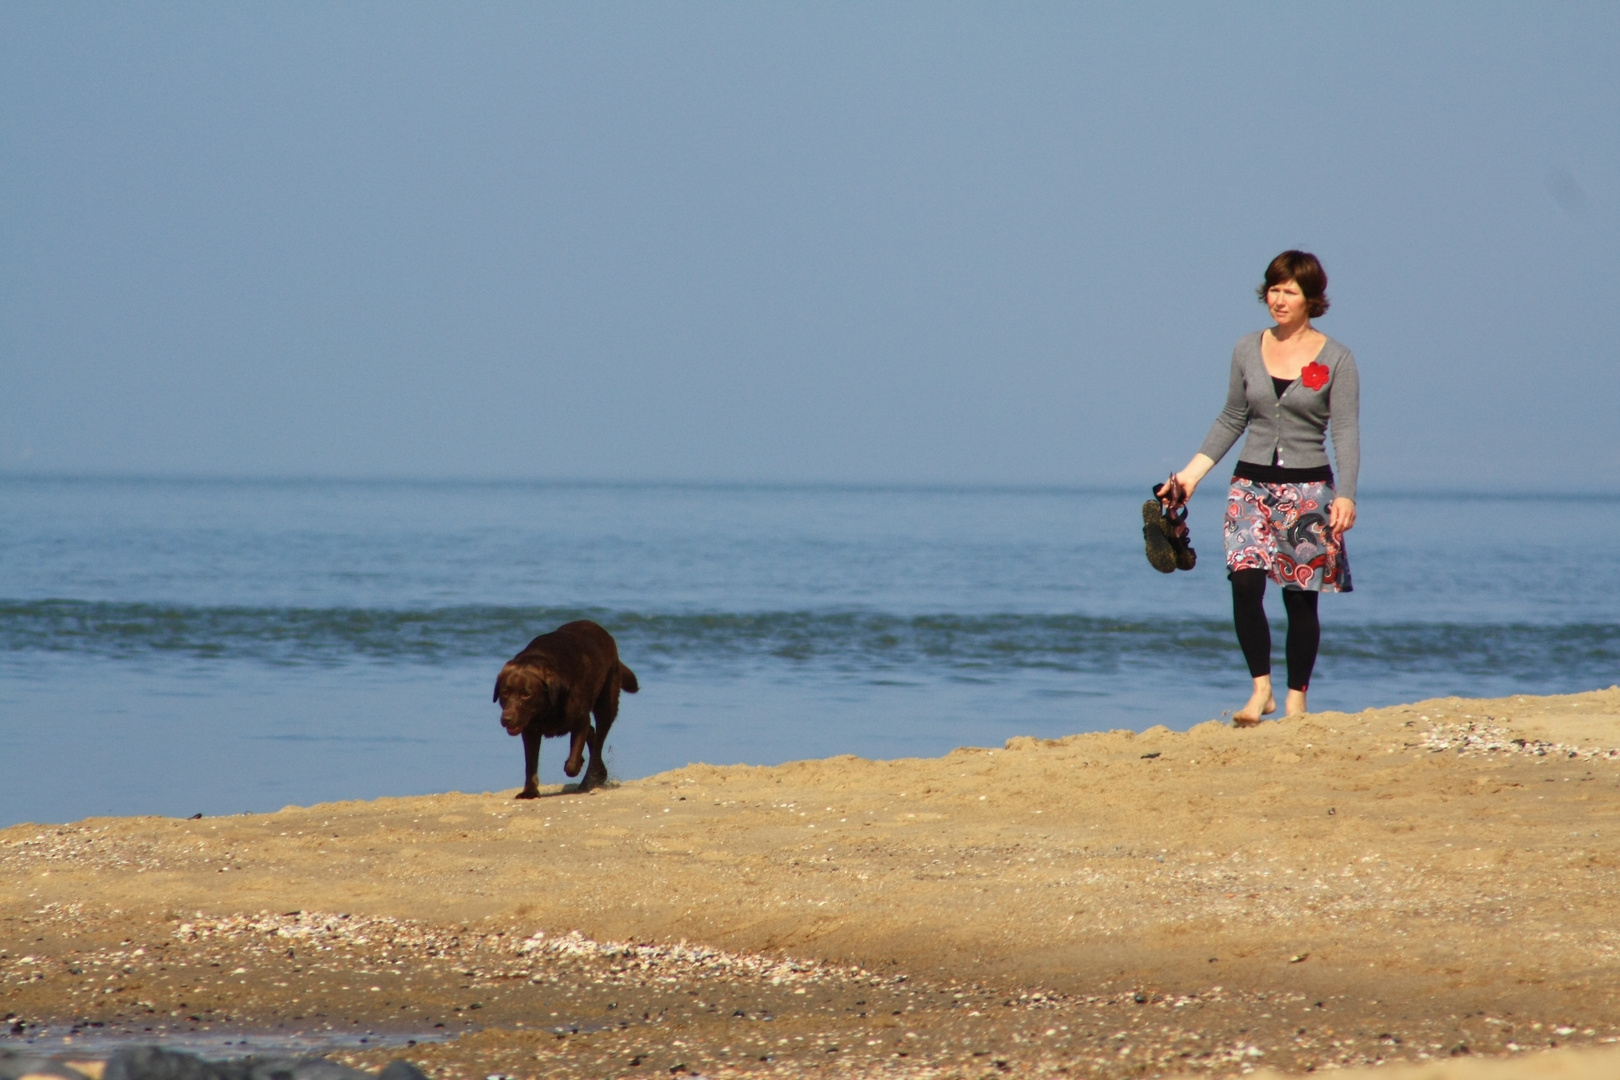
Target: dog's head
<point>523,691</point>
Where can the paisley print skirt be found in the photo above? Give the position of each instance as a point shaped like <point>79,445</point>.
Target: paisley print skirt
<point>1283,530</point>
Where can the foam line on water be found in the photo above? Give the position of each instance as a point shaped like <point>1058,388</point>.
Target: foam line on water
<point>834,641</point>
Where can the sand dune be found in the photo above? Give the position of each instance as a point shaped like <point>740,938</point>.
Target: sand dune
<point>1433,883</point>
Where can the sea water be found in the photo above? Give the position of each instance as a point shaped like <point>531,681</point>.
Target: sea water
<point>177,647</point>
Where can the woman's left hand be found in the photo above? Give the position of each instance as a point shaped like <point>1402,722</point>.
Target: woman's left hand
<point>1342,516</point>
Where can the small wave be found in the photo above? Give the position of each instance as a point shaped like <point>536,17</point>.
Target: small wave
<point>854,641</point>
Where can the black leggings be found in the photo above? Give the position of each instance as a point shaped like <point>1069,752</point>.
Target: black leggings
<point>1254,632</point>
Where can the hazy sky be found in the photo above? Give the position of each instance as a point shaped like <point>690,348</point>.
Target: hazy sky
<point>828,242</point>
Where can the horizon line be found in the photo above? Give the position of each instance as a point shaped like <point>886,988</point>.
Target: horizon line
<point>737,484</point>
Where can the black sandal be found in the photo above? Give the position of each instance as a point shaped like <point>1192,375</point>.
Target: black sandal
<point>1186,557</point>
<point>1165,533</point>
<point>1156,535</point>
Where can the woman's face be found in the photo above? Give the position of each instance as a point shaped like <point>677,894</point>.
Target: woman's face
<point>1287,303</point>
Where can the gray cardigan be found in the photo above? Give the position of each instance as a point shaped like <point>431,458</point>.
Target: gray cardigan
<point>1293,427</point>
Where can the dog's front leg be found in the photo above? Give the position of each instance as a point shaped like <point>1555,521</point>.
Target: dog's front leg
<point>531,763</point>
<point>576,753</point>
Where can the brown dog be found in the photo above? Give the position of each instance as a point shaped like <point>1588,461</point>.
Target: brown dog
<point>553,686</point>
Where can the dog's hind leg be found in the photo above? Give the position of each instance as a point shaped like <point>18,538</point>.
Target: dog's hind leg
<point>596,775</point>
<point>576,749</point>
<point>531,763</point>
<point>605,710</point>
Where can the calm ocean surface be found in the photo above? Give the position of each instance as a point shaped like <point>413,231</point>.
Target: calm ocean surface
<point>181,647</point>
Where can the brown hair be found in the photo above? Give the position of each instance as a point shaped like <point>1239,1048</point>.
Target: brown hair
<point>1303,269</point>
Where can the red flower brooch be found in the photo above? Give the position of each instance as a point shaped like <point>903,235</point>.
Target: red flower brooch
<point>1315,375</point>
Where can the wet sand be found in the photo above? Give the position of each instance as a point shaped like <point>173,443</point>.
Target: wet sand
<point>1433,883</point>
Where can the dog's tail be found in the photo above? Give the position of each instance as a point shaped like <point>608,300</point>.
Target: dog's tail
<point>627,680</point>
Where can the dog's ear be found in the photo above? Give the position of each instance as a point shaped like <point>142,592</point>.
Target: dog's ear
<point>500,680</point>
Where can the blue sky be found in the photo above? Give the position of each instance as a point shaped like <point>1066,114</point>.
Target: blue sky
<point>995,243</point>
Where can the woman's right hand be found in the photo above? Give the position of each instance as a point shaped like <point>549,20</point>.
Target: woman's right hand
<point>1181,485</point>
<point>1174,492</point>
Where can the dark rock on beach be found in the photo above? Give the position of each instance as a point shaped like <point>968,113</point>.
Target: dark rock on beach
<point>158,1063</point>
<point>14,1065</point>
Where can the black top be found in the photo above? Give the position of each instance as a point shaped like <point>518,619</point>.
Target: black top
<point>1278,474</point>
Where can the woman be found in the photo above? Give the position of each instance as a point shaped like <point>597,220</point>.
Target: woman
<point>1291,385</point>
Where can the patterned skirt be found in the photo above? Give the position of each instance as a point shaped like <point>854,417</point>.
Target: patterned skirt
<point>1283,530</point>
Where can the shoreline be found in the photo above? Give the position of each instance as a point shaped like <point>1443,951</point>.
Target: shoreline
<point>1328,891</point>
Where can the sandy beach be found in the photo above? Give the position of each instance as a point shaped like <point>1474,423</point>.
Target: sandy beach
<point>1432,883</point>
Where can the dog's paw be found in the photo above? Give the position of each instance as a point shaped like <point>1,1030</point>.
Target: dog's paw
<point>528,793</point>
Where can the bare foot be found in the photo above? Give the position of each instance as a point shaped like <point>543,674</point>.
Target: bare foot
<point>1295,705</point>
<point>1261,703</point>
